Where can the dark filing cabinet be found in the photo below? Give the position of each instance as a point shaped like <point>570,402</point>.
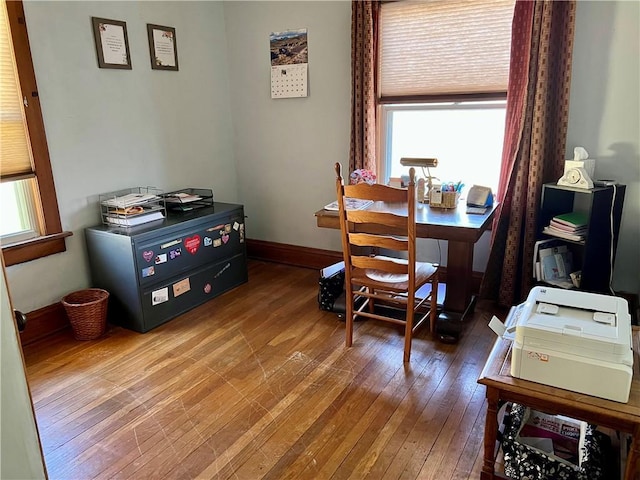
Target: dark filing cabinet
<point>163,268</point>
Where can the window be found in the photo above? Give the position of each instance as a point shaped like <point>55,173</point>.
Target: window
<point>30,224</point>
<point>19,221</point>
<point>443,74</point>
<point>465,137</point>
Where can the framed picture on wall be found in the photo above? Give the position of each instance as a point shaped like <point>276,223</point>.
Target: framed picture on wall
<point>162,47</point>
<point>112,43</point>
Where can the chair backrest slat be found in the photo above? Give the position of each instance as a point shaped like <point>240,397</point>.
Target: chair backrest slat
<point>379,241</point>
<point>376,263</point>
<point>381,218</point>
<point>376,192</point>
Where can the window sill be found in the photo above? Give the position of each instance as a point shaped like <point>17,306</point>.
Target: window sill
<point>36,248</point>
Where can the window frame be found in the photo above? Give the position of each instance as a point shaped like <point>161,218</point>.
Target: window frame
<point>52,238</point>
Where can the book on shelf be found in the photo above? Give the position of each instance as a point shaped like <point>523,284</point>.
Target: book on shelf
<point>131,221</point>
<point>576,237</point>
<point>572,219</point>
<point>350,204</point>
<point>567,228</point>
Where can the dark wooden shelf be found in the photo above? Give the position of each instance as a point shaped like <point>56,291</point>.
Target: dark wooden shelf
<point>594,255</point>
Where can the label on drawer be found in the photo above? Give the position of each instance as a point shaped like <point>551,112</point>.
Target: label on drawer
<point>181,287</point>
<point>160,296</point>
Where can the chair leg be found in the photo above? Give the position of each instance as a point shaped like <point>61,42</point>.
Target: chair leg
<point>349,316</point>
<point>433,312</point>
<point>372,306</point>
<point>408,331</point>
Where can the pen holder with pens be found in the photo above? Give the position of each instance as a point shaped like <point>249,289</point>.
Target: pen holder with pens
<point>443,199</point>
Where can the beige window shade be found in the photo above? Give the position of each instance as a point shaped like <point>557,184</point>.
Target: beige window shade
<point>15,150</point>
<point>444,47</point>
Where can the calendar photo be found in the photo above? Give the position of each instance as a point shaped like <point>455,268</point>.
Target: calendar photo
<point>289,63</point>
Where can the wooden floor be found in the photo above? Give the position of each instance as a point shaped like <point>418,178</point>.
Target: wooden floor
<point>257,383</point>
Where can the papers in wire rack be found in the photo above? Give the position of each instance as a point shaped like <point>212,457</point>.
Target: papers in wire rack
<point>129,200</point>
<point>350,204</point>
<point>136,219</point>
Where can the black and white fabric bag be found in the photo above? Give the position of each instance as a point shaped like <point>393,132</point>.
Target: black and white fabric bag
<point>329,289</point>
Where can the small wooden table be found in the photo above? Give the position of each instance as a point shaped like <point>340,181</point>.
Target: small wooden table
<point>501,386</point>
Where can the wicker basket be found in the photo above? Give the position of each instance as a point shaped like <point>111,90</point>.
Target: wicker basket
<point>87,312</point>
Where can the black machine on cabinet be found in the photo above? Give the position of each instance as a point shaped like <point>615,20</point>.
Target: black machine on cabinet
<point>595,254</point>
<point>158,270</point>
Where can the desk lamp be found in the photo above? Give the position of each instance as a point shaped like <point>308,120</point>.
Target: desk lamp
<point>423,163</point>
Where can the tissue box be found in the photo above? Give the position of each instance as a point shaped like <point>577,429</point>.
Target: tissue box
<point>539,446</point>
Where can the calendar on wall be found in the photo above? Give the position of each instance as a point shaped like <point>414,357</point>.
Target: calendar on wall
<point>289,63</point>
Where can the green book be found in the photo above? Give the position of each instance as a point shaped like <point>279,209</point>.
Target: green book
<point>573,219</point>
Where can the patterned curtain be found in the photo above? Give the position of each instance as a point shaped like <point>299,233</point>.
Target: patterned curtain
<point>364,41</point>
<point>534,144</point>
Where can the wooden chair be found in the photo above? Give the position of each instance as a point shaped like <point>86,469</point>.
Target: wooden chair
<point>384,279</point>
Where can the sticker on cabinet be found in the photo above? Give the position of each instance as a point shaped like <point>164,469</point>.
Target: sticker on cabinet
<point>192,244</point>
<point>183,286</point>
<point>147,272</point>
<point>160,296</point>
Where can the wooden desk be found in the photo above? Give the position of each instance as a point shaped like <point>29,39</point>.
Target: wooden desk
<point>501,386</point>
<point>462,231</point>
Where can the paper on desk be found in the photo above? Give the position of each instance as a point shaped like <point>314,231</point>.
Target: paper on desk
<point>507,329</point>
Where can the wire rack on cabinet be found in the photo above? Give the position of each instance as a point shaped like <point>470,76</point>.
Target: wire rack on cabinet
<point>132,206</point>
<point>188,199</point>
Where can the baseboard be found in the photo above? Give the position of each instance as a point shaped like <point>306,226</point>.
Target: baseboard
<point>44,322</point>
<point>316,258</point>
<point>52,318</point>
<point>291,254</point>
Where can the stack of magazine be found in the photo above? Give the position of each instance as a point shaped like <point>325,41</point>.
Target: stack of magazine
<point>570,226</point>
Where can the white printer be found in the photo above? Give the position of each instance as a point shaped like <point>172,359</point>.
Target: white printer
<point>573,340</point>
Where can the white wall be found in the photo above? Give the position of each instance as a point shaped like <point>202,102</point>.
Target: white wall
<point>604,114</point>
<point>285,148</point>
<point>112,129</point>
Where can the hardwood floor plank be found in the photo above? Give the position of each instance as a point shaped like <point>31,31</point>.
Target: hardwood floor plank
<point>310,424</point>
<point>333,424</point>
<point>399,446</point>
<point>450,439</point>
<point>301,405</point>
<point>257,384</point>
